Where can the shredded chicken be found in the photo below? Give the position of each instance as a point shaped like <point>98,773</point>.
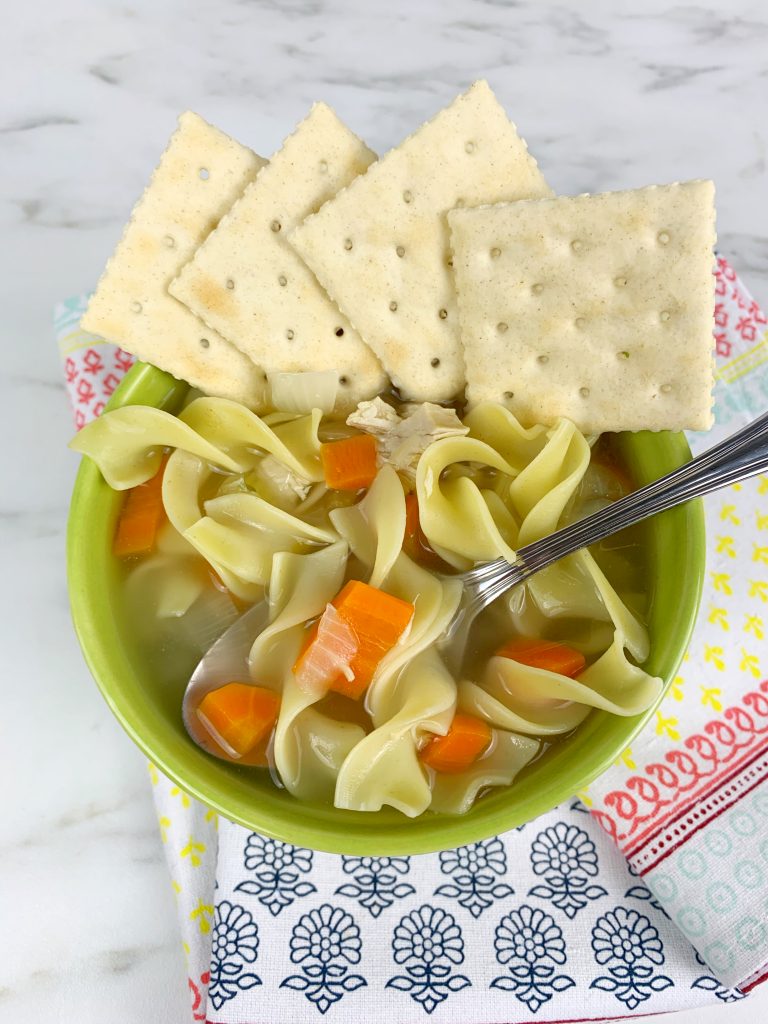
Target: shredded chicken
<point>278,476</point>
<point>403,439</point>
<point>374,417</point>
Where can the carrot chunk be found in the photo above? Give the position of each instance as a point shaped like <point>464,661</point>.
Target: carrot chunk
<point>239,715</point>
<point>461,746</point>
<point>327,652</point>
<point>140,517</point>
<point>376,621</point>
<point>350,463</point>
<point>546,654</point>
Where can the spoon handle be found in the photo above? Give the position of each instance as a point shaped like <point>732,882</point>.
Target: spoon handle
<point>742,455</point>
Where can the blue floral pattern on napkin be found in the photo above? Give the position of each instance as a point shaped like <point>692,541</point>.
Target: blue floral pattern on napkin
<point>566,858</point>
<point>376,881</point>
<point>428,943</point>
<point>474,871</point>
<point>531,946</point>
<point>234,945</point>
<point>277,869</point>
<point>627,944</point>
<point>325,942</point>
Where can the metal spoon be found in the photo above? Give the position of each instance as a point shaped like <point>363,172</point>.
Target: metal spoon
<point>742,455</point>
<point>226,661</point>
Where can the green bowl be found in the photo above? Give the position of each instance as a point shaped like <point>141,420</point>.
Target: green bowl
<point>152,718</point>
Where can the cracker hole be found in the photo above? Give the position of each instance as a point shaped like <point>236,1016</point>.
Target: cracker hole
<point>666,388</point>
<point>509,394</point>
<point>204,343</point>
<point>343,381</point>
<point>400,250</point>
<point>537,288</point>
<point>289,334</point>
<point>230,283</point>
<point>407,196</point>
<point>449,261</point>
<point>502,327</point>
<point>664,315</point>
<point>577,245</point>
<point>323,165</point>
<point>339,332</point>
<point>282,280</point>
<point>459,204</point>
<point>584,392</point>
<point>204,174</point>
<point>469,147</point>
<point>495,252</point>
<point>136,307</point>
<point>543,358</point>
<point>435,362</point>
<point>275,226</point>
<point>443,313</point>
<point>580,323</point>
<point>169,241</point>
<point>393,306</point>
<point>620,282</point>
<point>347,244</point>
<point>623,355</point>
<point>663,237</point>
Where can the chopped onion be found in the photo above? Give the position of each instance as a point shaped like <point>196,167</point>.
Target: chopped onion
<point>283,487</point>
<point>303,392</point>
<point>329,655</point>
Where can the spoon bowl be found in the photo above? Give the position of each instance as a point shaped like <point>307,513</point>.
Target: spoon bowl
<point>226,661</point>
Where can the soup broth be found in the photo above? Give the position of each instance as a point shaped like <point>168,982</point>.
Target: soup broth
<point>176,605</point>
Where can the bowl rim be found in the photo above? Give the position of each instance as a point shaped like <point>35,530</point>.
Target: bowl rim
<point>88,590</point>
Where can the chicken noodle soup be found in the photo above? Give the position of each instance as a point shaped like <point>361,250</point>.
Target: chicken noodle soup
<point>349,536</point>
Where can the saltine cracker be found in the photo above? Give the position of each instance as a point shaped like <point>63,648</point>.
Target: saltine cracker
<point>200,174</point>
<point>598,308</point>
<point>247,283</point>
<point>381,247</point>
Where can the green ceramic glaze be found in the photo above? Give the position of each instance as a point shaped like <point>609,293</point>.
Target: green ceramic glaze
<point>152,716</point>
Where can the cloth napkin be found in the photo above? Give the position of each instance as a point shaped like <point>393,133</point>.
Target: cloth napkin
<point>646,893</point>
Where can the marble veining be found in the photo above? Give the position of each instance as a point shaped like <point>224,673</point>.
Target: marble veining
<point>608,95</point>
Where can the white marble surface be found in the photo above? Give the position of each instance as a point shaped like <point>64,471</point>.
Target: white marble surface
<point>608,95</point>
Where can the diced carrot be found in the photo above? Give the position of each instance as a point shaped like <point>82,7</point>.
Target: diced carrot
<point>239,715</point>
<point>546,654</point>
<point>140,517</point>
<point>415,543</point>
<point>328,654</point>
<point>377,621</point>
<point>350,463</point>
<point>461,746</point>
